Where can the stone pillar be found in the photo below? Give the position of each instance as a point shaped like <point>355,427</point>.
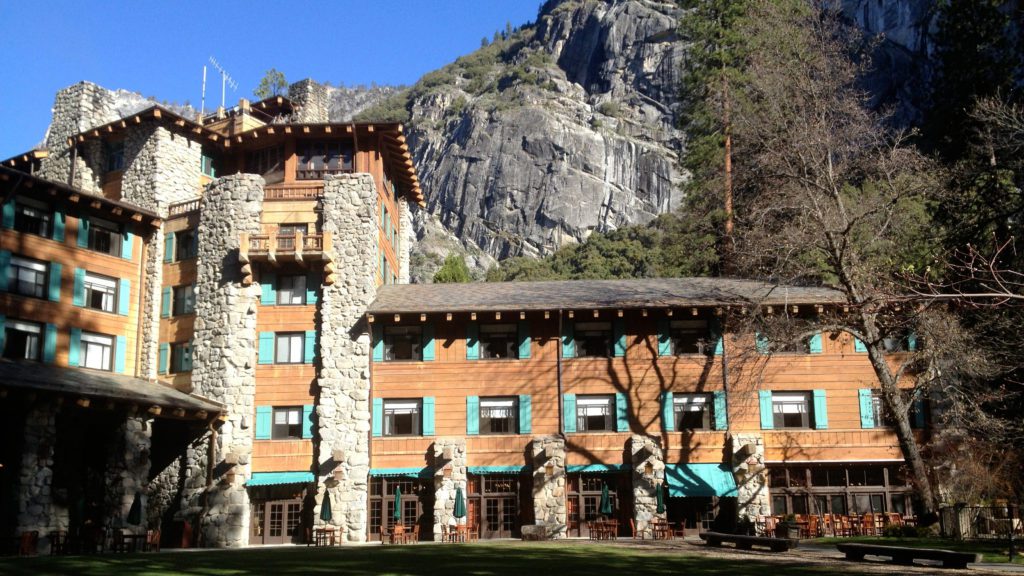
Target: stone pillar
<point>224,359</point>
<point>648,468</point>
<point>35,498</point>
<point>751,475</point>
<point>128,469</point>
<point>549,484</point>
<point>343,407</point>
<point>162,167</point>
<point>405,240</point>
<point>76,109</point>
<point>310,100</point>
<point>449,474</point>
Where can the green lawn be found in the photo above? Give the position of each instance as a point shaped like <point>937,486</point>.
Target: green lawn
<point>478,559</point>
<point>991,551</point>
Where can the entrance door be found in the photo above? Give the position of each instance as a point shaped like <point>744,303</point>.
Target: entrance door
<point>499,507</point>
<point>275,522</point>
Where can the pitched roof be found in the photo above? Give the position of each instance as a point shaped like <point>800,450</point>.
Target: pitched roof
<point>589,294</point>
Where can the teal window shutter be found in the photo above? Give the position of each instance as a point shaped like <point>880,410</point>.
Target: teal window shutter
<point>266,353</point>
<point>309,347</point>
<point>621,413</point>
<point>569,347</point>
<point>165,302</point>
<point>867,409</point>
<point>428,415</point>
<point>165,358</point>
<point>8,217</point>
<point>569,412</point>
<point>428,344</point>
<point>377,337</point>
<point>127,243</point>
<point>524,339</point>
<point>74,347</point>
<point>49,344</point>
<point>268,290</point>
<point>664,337</point>
<point>472,415</point>
<point>307,421</point>
<point>716,336</point>
<point>761,342</point>
<point>668,421</point>
<point>377,418</point>
<point>525,414</point>
<point>917,411</point>
<point>911,342</point>
<point>5,269</point>
<point>263,421</point>
<point>721,411</point>
<point>54,292</point>
<point>78,293</point>
<point>3,333</point>
<point>815,344</point>
<point>312,283</point>
<point>124,291</point>
<point>767,418</point>
<point>169,247</point>
<point>820,410</point>
<point>472,341</point>
<point>859,346</point>
<point>619,333</point>
<point>58,225</point>
<point>83,232</point>
<point>120,349</point>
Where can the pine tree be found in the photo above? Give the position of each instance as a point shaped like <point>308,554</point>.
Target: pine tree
<point>453,271</point>
<point>273,83</point>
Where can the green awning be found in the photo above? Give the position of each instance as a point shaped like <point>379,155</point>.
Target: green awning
<point>596,468</point>
<point>424,472</point>
<point>496,469</point>
<point>276,478</point>
<point>699,480</point>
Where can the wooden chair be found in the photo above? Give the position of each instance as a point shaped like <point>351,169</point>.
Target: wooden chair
<point>118,543</point>
<point>28,543</point>
<point>58,542</point>
<point>680,532</point>
<point>152,542</point>
<point>632,528</point>
<point>813,527</point>
<point>770,524</point>
<point>385,537</point>
<point>473,532</point>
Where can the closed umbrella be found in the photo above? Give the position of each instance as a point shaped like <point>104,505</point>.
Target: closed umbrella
<point>606,502</point>
<point>460,504</point>
<point>660,500</point>
<point>325,508</point>
<point>135,512</point>
<point>397,515</point>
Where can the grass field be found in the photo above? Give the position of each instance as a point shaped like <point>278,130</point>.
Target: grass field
<point>991,551</point>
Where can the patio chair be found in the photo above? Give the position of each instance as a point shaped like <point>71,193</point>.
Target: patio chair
<point>58,542</point>
<point>770,524</point>
<point>813,527</point>
<point>28,544</point>
<point>152,542</point>
<point>632,528</point>
<point>118,543</point>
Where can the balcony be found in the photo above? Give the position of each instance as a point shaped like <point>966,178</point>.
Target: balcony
<point>294,191</point>
<point>272,248</point>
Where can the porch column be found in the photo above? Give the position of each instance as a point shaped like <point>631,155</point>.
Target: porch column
<point>449,475</point>
<point>128,470</point>
<point>751,475</point>
<point>549,506</point>
<point>648,470</point>
<point>35,496</point>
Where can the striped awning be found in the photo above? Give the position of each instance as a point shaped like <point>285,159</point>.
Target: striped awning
<point>424,472</point>
<point>276,478</point>
<point>701,480</point>
<point>596,468</point>
<point>496,469</point>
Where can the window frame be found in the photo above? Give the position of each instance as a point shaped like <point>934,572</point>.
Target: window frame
<point>583,400</point>
<point>112,232</point>
<point>679,403</point>
<point>291,338</point>
<point>288,412</point>
<point>703,342</point>
<point>13,276</point>
<point>89,289</point>
<point>115,156</point>
<point>512,342</point>
<point>38,331</point>
<point>177,351</point>
<point>299,294</point>
<point>180,299</point>
<point>388,408</point>
<point>313,158</point>
<point>186,244</point>
<point>580,328</point>
<point>86,345</point>
<point>807,418</point>
<point>513,418</point>
<point>416,348</point>
<point>47,217</point>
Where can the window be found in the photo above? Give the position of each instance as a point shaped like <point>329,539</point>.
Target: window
<point>318,159</point>
<point>27,277</point>
<point>291,290</point>
<point>882,417</point>
<point>593,339</point>
<point>595,413</point>
<point>97,351</point>
<point>115,156</point>
<point>265,161</point>
<point>499,341</point>
<point>186,244</point>
<point>791,410</point>
<point>184,300</point>
<point>690,337</point>
<point>403,343</point>
<point>287,423</point>
<point>100,292</point>
<point>902,341</point>
<point>206,165</point>
<point>33,218</point>
<point>499,415</point>
<point>181,357</point>
<point>402,417</point>
<point>692,411</point>
<point>292,229</point>
<point>289,347</point>
<point>784,345</point>
<point>21,340</point>
<point>104,237</point>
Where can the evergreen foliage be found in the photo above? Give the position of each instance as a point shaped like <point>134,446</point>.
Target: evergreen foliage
<point>273,83</point>
<point>453,271</point>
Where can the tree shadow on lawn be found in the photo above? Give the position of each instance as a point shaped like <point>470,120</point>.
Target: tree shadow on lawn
<point>472,559</point>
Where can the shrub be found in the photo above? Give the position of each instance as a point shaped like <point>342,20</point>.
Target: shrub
<point>609,108</point>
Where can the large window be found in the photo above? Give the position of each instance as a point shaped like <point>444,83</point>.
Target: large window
<point>186,244</point>
<point>33,217</point>
<point>499,415</point>
<point>287,423</point>
<point>181,357</point>
<point>499,341</point>
<point>692,411</point>
<point>690,337</point>
<point>104,237</point>
<point>291,290</point>
<point>97,351</point>
<point>27,277</point>
<point>289,347</point>
<point>595,413</point>
<point>265,161</point>
<point>22,340</point>
<point>100,292</point>
<point>791,410</point>
<point>402,417</point>
<point>184,300</point>
<point>318,159</point>
<point>403,343</point>
<point>593,339</point>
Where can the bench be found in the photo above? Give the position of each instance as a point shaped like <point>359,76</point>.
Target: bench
<point>744,542</point>
<point>906,556</point>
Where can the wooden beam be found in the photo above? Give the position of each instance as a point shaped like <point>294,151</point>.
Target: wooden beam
<point>472,316</point>
<point>157,113</point>
<point>180,122</point>
<point>74,198</point>
<point>178,413</point>
<point>448,317</point>
<point>497,315</point>
<point>82,402</point>
<point>398,317</point>
<point>155,410</point>
<point>571,314</point>
<point>423,317</point>
<point>287,129</point>
<point>327,129</point>
<point>201,414</point>
<point>369,318</point>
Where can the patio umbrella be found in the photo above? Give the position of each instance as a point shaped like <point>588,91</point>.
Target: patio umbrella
<point>397,515</point>
<point>135,512</point>
<point>325,508</point>
<point>460,504</point>
<point>606,502</point>
<point>660,500</point>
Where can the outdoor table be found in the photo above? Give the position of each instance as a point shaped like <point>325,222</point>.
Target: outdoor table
<point>661,530</point>
<point>324,536</point>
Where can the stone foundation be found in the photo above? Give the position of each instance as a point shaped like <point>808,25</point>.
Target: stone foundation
<point>648,471</point>
<point>35,497</point>
<point>751,475</point>
<point>449,474</point>
<point>549,484</point>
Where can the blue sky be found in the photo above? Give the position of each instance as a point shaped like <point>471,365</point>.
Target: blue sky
<point>159,48</point>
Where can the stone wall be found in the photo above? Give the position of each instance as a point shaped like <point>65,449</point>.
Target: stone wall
<point>75,109</point>
<point>751,475</point>
<point>645,451</point>
<point>549,484</point>
<point>161,167</point>
<point>342,423</point>
<point>35,498</point>
<point>311,101</point>
<point>224,358</point>
<point>449,475</point>
<point>406,237</point>
<point>128,470</point>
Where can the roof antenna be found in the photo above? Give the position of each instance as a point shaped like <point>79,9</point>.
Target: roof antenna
<point>225,80</point>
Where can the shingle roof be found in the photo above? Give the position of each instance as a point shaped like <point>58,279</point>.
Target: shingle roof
<point>589,294</point>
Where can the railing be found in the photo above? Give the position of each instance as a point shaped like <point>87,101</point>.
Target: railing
<point>293,192</point>
<point>318,174</point>
<point>185,207</point>
<point>260,244</point>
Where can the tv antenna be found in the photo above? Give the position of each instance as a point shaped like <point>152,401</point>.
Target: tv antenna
<point>225,80</point>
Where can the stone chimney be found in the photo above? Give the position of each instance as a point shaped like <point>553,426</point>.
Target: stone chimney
<point>310,100</point>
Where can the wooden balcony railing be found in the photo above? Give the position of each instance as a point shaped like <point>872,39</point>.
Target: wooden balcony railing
<point>179,208</point>
<point>272,247</point>
<point>305,191</point>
